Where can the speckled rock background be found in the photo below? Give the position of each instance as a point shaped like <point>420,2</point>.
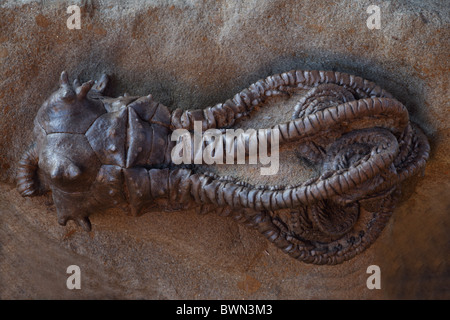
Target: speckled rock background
<point>193,54</point>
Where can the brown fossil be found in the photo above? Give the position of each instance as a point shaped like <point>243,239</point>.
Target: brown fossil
<point>93,152</point>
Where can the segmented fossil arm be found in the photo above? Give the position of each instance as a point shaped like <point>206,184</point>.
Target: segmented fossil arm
<point>225,114</point>
<point>336,181</point>
<point>321,233</point>
<point>325,249</point>
<point>27,182</point>
<point>330,123</point>
<point>354,115</point>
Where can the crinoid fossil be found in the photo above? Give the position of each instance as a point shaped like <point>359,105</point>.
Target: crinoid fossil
<point>94,152</point>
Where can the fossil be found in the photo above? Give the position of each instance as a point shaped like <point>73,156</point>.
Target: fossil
<point>94,152</point>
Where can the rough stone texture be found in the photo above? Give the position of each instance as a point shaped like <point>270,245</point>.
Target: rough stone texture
<point>193,54</point>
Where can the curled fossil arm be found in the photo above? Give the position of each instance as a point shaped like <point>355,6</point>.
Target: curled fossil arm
<point>345,172</point>
<point>225,114</point>
<point>27,180</point>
